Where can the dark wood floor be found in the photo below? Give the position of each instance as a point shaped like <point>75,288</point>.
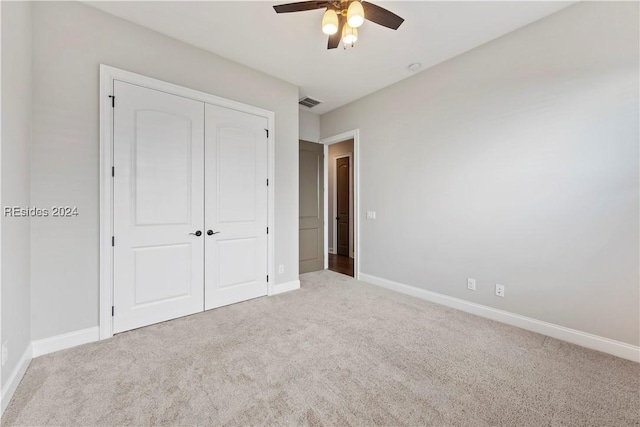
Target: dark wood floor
<point>341,264</point>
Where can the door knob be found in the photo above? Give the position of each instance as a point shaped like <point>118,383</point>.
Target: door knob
<point>197,233</point>
<point>211,232</point>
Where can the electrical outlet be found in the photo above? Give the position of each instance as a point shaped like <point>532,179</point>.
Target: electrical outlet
<point>371,215</point>
<point>281,269</point>
<point>500,291</point>
<point>5,352</point>
<point>471,284</point>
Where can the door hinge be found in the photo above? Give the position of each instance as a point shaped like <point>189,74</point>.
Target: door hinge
<point>112,311</point>
<point>113,171</point>
<point>267,278</point>
<point>267,131</point>
<point>267,230</point>
<point>113,241</point>
<point>267,182</point>
<point>113,101</point>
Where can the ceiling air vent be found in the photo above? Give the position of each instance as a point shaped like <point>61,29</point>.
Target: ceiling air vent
<point>309,102</point>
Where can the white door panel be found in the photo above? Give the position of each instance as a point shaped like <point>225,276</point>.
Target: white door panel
<point>158,272</point>
<point>158,202</point>
<point>236,206</point>
<point>162,164</point>
<point>236,175</point>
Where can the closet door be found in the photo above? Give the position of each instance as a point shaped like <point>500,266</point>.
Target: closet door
<point>158,206</point>
<point>235,206</point>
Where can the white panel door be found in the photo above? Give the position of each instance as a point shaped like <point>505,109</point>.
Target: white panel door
<point>158,204</point>
<point>236,206</point>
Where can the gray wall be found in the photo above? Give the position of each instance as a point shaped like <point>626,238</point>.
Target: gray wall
<point>70,40</point>
<point>309,126</point>
<point>514,163</point>
<point>16,133</point>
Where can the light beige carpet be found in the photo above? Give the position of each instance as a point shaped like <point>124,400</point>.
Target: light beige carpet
<point>336,352</point>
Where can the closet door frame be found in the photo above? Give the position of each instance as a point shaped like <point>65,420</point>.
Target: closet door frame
<point>108,75</point>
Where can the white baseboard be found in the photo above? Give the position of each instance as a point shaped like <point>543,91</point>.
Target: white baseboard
<point>14,379</point>
<point>285,287</point>
<point>331,251</point>
<point>584,339</point>
<point>64,341</point>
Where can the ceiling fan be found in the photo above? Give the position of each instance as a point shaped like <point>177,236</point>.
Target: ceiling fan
<point>342,18</point>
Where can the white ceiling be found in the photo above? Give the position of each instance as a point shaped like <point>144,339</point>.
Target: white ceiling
<point>292,46</point>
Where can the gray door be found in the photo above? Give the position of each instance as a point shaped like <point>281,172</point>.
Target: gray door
<point>342,207</point>
<point>311,207</point>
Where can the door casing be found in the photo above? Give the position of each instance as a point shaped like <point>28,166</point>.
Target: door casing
<point>108,75</point>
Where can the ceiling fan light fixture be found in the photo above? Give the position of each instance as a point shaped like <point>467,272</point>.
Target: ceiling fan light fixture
<point>342,18</point>
<point>349,35</point>
<point>330,22</point>
<point>355,14</point>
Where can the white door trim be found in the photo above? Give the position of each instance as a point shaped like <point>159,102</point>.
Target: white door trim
<point>335,202</point>
<point>107,76</point>
<point>355,135</point>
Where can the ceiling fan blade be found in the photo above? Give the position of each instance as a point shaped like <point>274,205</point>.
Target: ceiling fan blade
<point>381,16</point>
<point>334,39</point>
<point>300,6</point>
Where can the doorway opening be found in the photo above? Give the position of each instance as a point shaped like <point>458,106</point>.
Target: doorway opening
<point>341,203</point>
<point>341,207</point>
